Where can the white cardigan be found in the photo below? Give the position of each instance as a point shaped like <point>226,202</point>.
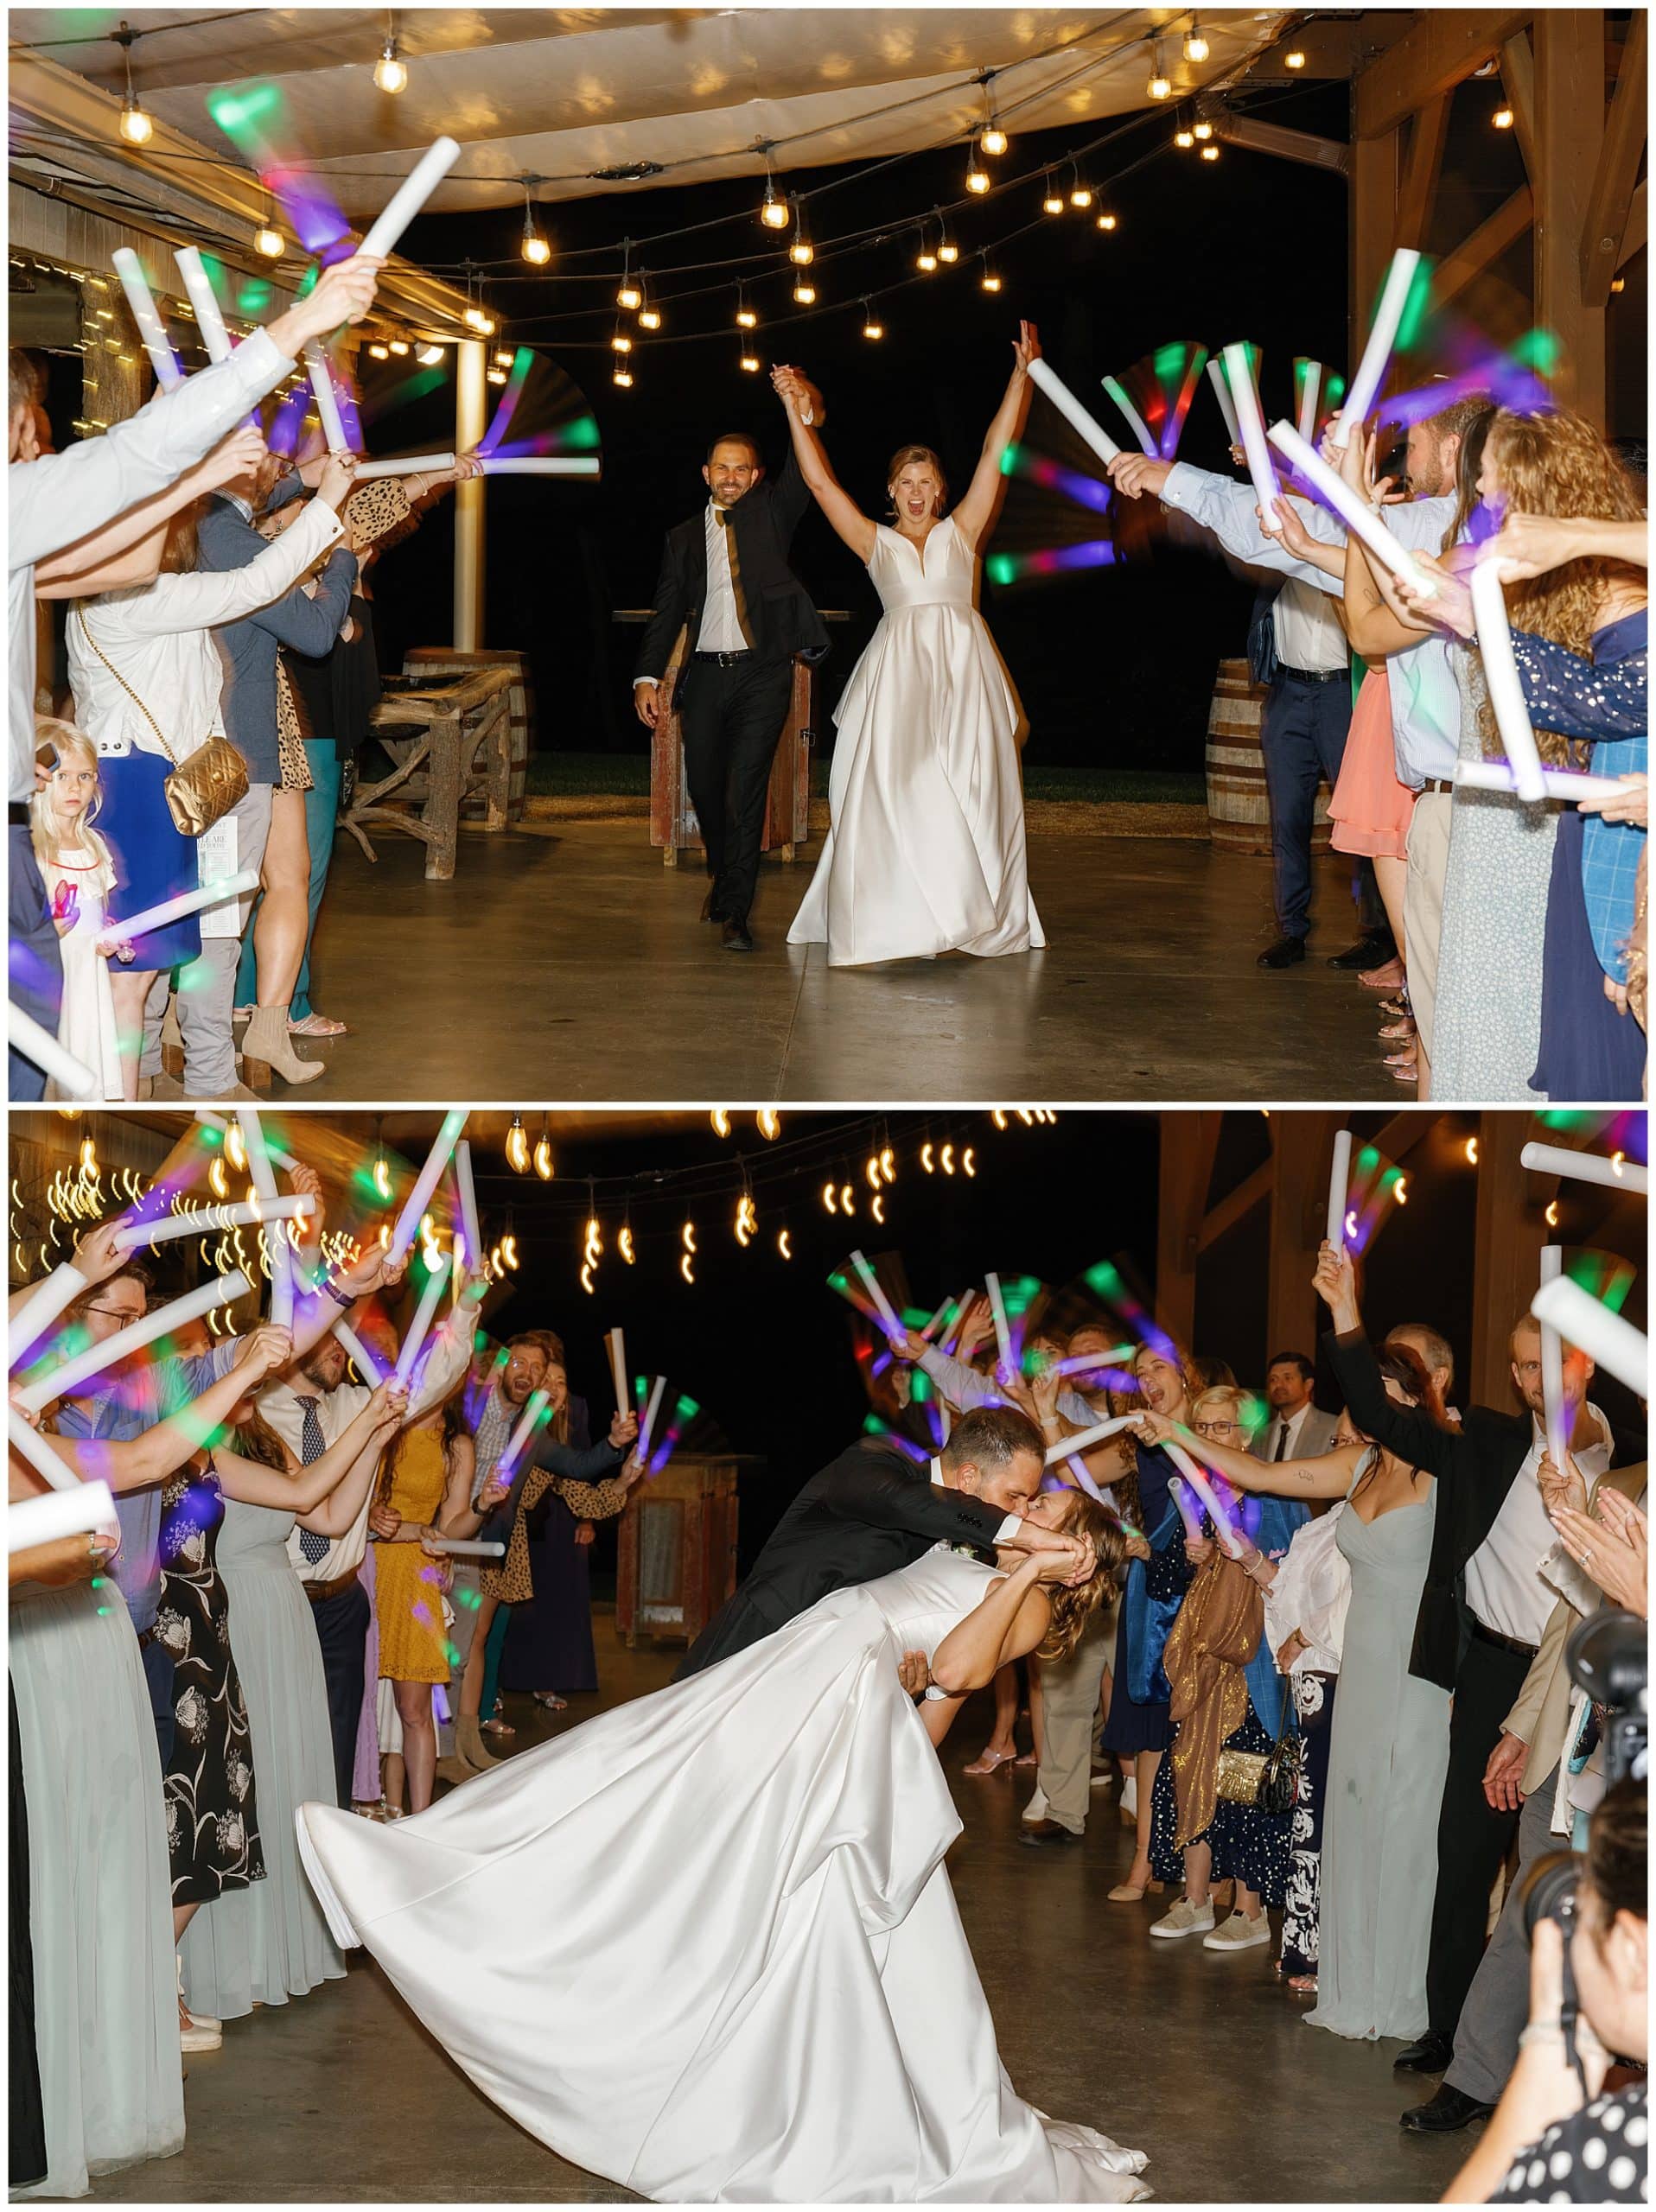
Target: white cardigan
<point>160,637</point>
<point>1311,1593</point>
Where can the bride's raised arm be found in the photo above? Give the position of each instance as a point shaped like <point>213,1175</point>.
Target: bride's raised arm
<point>842,510</point>
<point>975,512</point>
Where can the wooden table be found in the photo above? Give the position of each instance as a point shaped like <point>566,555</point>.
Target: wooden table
<point>448,743</point>
<point>675,1561</point>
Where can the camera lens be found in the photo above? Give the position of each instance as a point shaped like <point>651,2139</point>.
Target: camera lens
<point>1549,1892</point>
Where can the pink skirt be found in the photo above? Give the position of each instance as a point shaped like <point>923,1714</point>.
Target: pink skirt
<point>1370,809</point>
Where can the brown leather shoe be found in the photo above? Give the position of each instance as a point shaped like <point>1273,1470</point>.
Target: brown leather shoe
<point>1039,1834</point>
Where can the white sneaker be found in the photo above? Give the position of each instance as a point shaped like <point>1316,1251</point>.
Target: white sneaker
<point>1185,1919</point>
<point>200,2036</point>
<point>1036,1809</point>
<point>1239,1933</point>
<point>1130,1796</point>
<point>197,2020</point>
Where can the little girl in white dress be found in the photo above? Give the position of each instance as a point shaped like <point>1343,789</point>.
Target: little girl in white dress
<point>78,872</point>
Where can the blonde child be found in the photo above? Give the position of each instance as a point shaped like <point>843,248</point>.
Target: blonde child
<point>78,872</point>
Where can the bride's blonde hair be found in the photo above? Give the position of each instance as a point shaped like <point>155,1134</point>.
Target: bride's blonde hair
<point>49,833</point>
<point>908,457</point>
<point>1072,1609</point>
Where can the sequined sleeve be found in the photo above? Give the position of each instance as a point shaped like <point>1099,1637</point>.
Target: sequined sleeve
<point>1577,698</point>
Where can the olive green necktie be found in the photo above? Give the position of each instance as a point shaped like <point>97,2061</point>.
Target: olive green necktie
<point>724,516</point>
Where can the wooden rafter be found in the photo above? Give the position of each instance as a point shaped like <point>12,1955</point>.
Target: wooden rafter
<point>1569,137</point>
<point>1636,231</point>
<point>1611,198</point>
<point>1420,173</point>
<point>1236,1206</point>
<point>1518,81</point>
<point>1487,244</point>
<point>1442,49</point>
<point>1291,145</point>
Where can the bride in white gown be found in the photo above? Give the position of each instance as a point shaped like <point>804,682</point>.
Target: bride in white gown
<point>704,1944</point>
<point>925,851</point>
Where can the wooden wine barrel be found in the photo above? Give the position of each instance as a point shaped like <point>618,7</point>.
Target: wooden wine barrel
<point>508,787</point>
<point>673,826</point>
<point>1238,812</point>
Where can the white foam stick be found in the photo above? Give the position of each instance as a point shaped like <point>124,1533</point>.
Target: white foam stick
<point>264,1174</point>
<point>1586,1167</point>
<point>1505,687</point>
<point>418,464</point>
<point>1085,1438</point>
<point>131,927</point>
<point>1587,1323</point>
<point>367,1365</point>
<point>1083,1362</point>
<point>1216,375</point>
<point>1310,393</point>
<point>1002,1334</point>
<point>1077,1468</point>
<point>1333,490</point>
<point>517,1443</point>
<point>210,1220</point>
<point>328,405</point>
<point>424,1314</point>
<point>1136,422</point>
<point>209,1120</point>
<point>33,1318</point>
<point>465,1547</point>
<point>1046,380</point>
<point>29,1444</point>
<point>646,1427</point>
<point>1553,1420</point>
<point>1371,369</point>
<point>147,315</point>
<point>616,1343</point>
<point>409,197</point>
<point>408,1222</point>
<point>1230,1538</point>
<point>59,1381</point>
<point>1180,1497</point>
<point>471,1228</point>
<point>1338,1187</point>
<point>72,1077</point>
<point>1557,783</point>
<point>894,1327</point>
<point>208,319</point>
<point>1251,428</point>
<point>946,1307</point>
<point>572,464</point>
<point>82,1509</point>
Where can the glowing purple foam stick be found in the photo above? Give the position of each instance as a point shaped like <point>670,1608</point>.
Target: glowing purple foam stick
<point>32,1320</point>
<point>1505,688</point>
<point>1229,1540</point>
<point>1085,1438</point>
<point>50,1464</point>
<point>213,1220</point>
<point>1136,422</point>
<point>61,1381</point>
<point>1045,379</point>
<point>1310,394</point>
<point>894,1328</point>
<point>1339,1184</point>
<point>1216,375</point>
<point>147,315</point>
<point>1608,1340</point>
<point>328,405</point>
<point>72,1510</point>
<point>646,1427</point>
<point>264,1175</point>
<point>1083,1363</point>
<point>471,1228</point>
<point>1371,369</point>
<point>418,464</point>
<point>1186,1514</point>
<point>1586,1167</point>
<point>518,1442</point>
<point>430,1175</point>
<point>131,927</point>
<point>1553,1420</point>
<point>1077,1468</point>
<point>1251,429</point>
<point>411,196</point>
<point>573,464</point>
<point>424,1314</point>
<point>204,302</point>
<point>1555,783</point>
<point>1333,492</point>
<point>523,361</point>
<point>72,1077</point>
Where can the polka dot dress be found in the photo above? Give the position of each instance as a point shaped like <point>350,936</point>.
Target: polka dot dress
<point>1598,2156</point>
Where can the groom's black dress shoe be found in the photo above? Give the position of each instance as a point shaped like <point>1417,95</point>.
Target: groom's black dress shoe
<point>1287,952</point>
<point>1037,1834</point>
<point>736,937</point>
<point>1430,2055</point>
<point>709,911</point>
<point>1449,2110</point>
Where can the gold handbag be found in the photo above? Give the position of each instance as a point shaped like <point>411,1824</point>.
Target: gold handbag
<point>1268,1780</point>
<point>201,788</point>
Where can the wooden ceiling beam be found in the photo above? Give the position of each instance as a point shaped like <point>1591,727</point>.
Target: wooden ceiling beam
<point>1610,201</point>
<point>1420,173</point>
<point>1442,49</point>
<point>1487,244</point>
<point>1518,81</point>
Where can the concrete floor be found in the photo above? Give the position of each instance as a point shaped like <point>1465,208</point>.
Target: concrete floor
<point>1198,2060</point>
<point>565,962</point>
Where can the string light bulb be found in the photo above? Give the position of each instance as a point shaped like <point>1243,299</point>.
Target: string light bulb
<point>994,140</point>
<point>1052,202</point>
<point>623,377</point>
<point>747,1226</point>
<point>390,71</point>
<point>687,1238</point>
<point>493,375</point>
<point>136,126</point>
<point>1160,87</point>
<point>533,247</point>
<point>1081,193</point>
<point>767,1121</point>
<point>1295,58</point>
<point>1184,138</point>
<point>872,329</point>
<point>784,1245</point>
<point>774,211</point>
<point>804,294</point>
<point>989,282</point>
<point>947,248</point>
<point>649,315</point>
<point>508,1251</point>
<point>624,1244</point>
<point>1195,46</point>
<point>925,260</point>
<point>620,343</point>
<point>269,241</point>
<point>1106,221</point>
<point>801,253</point>
<point>746,319</point>
<point>517,1147</point>
<point>399,345</point>
<point>1202,130</point>
<point>1502,117</point>
<point>1471,1152</point>
<point>627,295</point>
<point>1210,153</point>
<point>544,1166</point>
<point>977,176</point>
<point>749,363</point>
<point>378,353</point>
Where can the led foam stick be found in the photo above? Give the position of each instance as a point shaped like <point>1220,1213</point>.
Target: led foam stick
<point>1586,1167</point>
<point>1177,368</point>
<point>616,1345</point>
<point>1239,372</point>
<point>518,1442</point>
<point>411,196</point>
<point>1180,1497</point>
<point>572,464</point>
<point>853,1297</point>
<point>51,1466</point>
<point>1308,375</point>
<point>1222,392</point>
<point>1086,1363</point>
<point>522,361</point>
<point>1555,783</point>
<point>1093,434</point>
<point>646,1427</point>
<point>1085,1438</point>
<point>209,1120</point>
<point>684,1409</point>
<point>81,1508</point>
<point>214,1219</point>
<point>466,1548</point>
<point>264,1175</point>
<point>1553,1421</point>
<point>946,1308</point>
<point>72,1077</point>
<point>429,1176</point>
<point>1333,492</point>
<point>205,301</point>
<point>1105,1281</point>
<point>894,1328</point>
<point>424,1314</point>
<point>1377,354</point>
<point>147,315</point>
<point>1505,690</point>
<point>223,1290</point>
<point>131,927</point>
<point>1136,422</point>
<point>364,1361</point>
<point>328,405</point>
<point>1077,1468</point>
<point>418,464</point>
<point>61,1288</point>
<point>471,1228</point>
<point>1003,1333</point>
<point>1339,1184</point>
<point>1611,1342</point>
<point>1229,1540</point>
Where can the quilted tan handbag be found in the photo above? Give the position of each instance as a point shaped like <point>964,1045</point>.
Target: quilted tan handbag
<point>201,788</point>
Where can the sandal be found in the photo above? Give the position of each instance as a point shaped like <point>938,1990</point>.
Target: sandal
<point>550,1699</point>
<point>1026,1758</point>
<point>987,1761</point>
<point>1403,1030</point>
<point>1404,1067</point>
<point>500,1729</point>
<point>317,1025</point>
<point>1303,1985</point>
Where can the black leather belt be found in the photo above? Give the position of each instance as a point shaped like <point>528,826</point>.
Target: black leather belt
<point>320,1593</point>
<point>724,660</point>
<point>1311,675</point>
<point>1437,784</point>
<point>1501,1642</point>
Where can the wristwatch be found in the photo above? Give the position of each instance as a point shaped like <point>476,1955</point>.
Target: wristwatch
<point>933,1691</point>
<point>337,1295</point>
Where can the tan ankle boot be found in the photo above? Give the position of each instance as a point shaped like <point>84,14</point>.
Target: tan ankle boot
<point>265,1038</point>
<point>468,1743</point>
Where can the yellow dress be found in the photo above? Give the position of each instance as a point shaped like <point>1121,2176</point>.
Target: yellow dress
<point>413,1647</point>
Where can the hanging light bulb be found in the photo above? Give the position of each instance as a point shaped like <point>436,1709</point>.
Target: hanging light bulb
<point>1502,117</point>
<point>399,345</point>
<point>1183,138</point>
<point>428,356</point>
<point>1210,153</point>
<point>378,353</point>
<point>269,241</point>
<point>767,1121</point>
<point>784,1245</point>
<point>390,71</point>
<point>801,253</point>
<point>1106,221</point>
<point>544,1166</point>
<point>1195,46</point>
<point>1160,87</point>
<point>746,319</point>
<point>517,1147</point>
<point>989,280</point>
<point>1202,130</point>
<point>1052,202</point>
<point>976,175</point>
<point>1295,58</point>
<point>534,247</point>
<point>775,213</point>
<point>136,127</point>
<point>994,140</point>
<point>624,1244</point>
<point>623,377</point>
<point>620,343</point>
<point>747,1223</point>
<point>947,248</point>
<point>749,363</point>
<point>804,294</point>
<point>871,327</point>
<point>1081,193</point>
<point>720,1118</point>
<point>925,259</point>
<point>649,316</point>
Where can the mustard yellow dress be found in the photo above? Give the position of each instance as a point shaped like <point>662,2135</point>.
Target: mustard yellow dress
<point>413,1647</point>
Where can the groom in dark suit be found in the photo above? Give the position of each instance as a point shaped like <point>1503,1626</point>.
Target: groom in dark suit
<point>871,1511</point>
<point>725,577</point>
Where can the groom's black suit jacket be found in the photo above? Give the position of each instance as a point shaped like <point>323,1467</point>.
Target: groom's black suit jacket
<point>867,1513</point>
<point>780,615</point>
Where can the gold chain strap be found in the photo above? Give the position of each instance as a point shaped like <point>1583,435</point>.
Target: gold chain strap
<point>86,631</point>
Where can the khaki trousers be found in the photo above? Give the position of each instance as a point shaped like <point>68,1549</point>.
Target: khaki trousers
<point>1423,903</point>
<point>1069,1713</point>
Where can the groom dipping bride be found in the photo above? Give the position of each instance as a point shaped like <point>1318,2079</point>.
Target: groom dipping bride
<point>705,1944</point>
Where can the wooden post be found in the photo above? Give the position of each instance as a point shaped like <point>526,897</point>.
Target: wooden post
<point>1299,1203</point>
<point>1507,1264</point>
<point>471,393</point>
<point>1188,1141</point>
<point>1371,222</point>
<point>1568,135</point>
<point>1611,198</point>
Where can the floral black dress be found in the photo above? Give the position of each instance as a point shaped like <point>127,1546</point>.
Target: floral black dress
<point>212,1818</point>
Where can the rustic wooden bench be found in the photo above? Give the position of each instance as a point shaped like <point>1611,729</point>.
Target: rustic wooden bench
<point>447,744</point>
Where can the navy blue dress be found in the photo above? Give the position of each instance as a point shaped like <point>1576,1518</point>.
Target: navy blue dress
<point>1149,1605</point>
<point>1588,1049</point>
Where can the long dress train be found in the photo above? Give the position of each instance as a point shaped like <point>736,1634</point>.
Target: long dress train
<point>705,1944</point>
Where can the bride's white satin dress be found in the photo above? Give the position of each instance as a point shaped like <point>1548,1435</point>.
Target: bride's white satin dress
<point>925,851</point>
<point>704,1944</point>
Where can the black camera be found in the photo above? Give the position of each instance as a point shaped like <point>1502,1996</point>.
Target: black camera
<point>1608,1656</point>
<point>1549,1892</point>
